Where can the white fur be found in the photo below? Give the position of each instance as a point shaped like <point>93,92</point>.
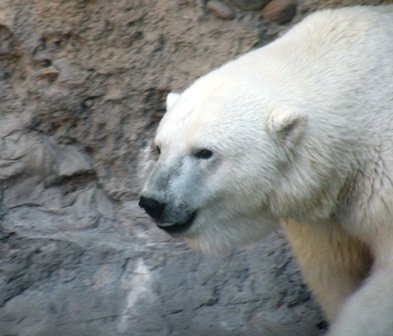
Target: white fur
<point>301,129</point>
<point>171,99</point>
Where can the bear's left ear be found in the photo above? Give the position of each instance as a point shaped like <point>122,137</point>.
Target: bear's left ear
<point>171,99</point>
<point>286,124</point>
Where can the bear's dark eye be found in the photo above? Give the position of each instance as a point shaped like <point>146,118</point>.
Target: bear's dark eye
<point>157,150</point>
<point>203,154</point>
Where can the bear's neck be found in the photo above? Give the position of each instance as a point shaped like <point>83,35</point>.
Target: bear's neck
<point>352,189</point>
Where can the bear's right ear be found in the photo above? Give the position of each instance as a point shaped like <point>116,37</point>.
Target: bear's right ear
<point>171,99</point>
<point>286,124</point>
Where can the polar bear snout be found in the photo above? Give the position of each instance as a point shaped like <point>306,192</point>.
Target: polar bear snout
<point>174,224</point>
<point>153,208</point>
<point>176,229</point>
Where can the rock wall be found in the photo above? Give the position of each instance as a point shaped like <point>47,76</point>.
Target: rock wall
<point>82,88</point>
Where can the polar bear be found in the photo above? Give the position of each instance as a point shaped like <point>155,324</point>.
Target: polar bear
<point>298,132</point>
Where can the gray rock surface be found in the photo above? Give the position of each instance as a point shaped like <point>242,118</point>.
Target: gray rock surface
<point>280,11</point>
<point>220,10</point>
<point>82,87</point>
<point>248,4</point>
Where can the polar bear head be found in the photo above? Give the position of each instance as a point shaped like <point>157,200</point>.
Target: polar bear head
<point>222,146</point>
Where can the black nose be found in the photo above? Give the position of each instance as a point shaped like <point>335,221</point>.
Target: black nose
<point>152,207</point>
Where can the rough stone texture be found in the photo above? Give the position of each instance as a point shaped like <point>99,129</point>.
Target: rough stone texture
<point>220,10</point>
<point>280,11</point>
<point>248,4</point>
<point>82,88</point>
<point>306,6</point>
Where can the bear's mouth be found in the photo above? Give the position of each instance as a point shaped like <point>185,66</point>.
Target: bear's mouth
<point>176,229</point>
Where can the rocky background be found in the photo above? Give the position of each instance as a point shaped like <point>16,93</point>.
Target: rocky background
<point>82,87</point>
